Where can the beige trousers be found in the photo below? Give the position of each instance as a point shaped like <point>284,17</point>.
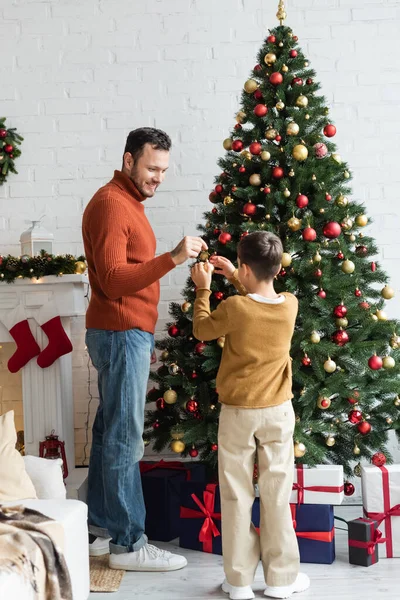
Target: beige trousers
<point>243,433</point>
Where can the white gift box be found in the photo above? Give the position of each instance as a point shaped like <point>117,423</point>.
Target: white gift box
<point>322,484</point>
<point>381,496</point>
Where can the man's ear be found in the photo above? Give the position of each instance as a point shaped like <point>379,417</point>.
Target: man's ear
<point>128,160</point>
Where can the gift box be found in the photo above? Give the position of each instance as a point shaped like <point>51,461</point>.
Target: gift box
<point>201,517</point>
<point>314,525</point>
<point>381,502</point>
<point>322,484</point>
<point>364,538</point>
<point>161,483</point>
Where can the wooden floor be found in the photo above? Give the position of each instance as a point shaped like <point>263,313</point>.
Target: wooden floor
<point>202,578</point>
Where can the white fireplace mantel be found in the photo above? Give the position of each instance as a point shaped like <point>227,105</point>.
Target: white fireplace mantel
<point>47,393</point>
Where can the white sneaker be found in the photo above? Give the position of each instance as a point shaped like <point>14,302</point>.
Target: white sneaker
<point>301,584</point>
<point>148,558</point>
<point>238,592</point>
<point>99,546</point>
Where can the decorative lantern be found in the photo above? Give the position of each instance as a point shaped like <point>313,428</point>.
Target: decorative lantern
<point>35,239</point>
<point>53,448</point>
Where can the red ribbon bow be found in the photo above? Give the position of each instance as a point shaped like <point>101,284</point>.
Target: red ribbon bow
<point>371,545</point>
<point>208,529</point>
<point>388,513</point>
<point>162,464</point>
<point>301,488</point>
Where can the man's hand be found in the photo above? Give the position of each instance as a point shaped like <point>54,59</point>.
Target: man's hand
<point>153,358</point>
<point>189,247</point>
<point>202,275</point>
<point>222,266</point>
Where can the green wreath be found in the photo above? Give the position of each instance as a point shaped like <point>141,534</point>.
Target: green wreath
<point>9,151</point>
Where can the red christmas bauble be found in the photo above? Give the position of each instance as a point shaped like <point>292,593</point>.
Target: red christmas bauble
<point>297,81</point>
<point>277,173</point>
<point>255,148</point>
<point>156,425</point>
<point>340,337</point>
<point>329,130</point>
<point>349,489</point>
<point>355,416</point>
<point>321,294</point>
<point>278,138</point>
<point>249,209</point>
<point>357,293</point>
<point>214,211</point>
<point>309,81</point>
<point>340,311</point>
<point>3,134</point>
<point>192,405</point>
<point>193,375</point>
<point>242,235</point>
<point>309,234</point>
<point>173,331</point>
<point>302,201</point>
<point>295,38</point>
<point>214,447</point>
<point>328,197</point>
<point>332,230</point>
<point>318,273</point>
<point>8,148</point>
<point>199,347</point>
<point>238,127</point>
<point>271,39</point>
<point>219,189</point>
<point>258,68</point>
<point>237,145</point>
<point>282,273</point>
<point>375,363</point>
<point>213,197</point>
<point>364,305</point>
<point>193,452</point>
<point>378,459</point>
<point>293,53</point>
<point>258,96</point>
<point>242,169</point>
<point>373,267</point>
<point>224,237</point>
<point>306,361</point>
<point>361,250</point>
<point>260,110</point>
<point>234,188</point>
<point>364,428</point>
<point>160,403</point>
<point>276,78</point>
<point>216,231</point>
<point>219,295</point>
<point>267,190</point>
<point>340,256</point>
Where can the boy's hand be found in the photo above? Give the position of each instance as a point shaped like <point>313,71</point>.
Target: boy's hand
<point>201,275</point>
<point>222,266</point>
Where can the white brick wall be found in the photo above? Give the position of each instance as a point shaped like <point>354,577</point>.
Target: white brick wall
<point>77,76</point>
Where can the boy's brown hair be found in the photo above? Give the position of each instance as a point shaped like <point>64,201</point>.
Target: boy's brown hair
<point>262,252</point>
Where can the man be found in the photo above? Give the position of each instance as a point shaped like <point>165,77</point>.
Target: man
<point>124,276</point>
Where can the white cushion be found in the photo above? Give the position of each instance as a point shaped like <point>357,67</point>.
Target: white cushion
<point>47,477</point>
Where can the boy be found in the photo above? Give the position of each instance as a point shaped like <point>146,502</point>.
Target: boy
<point>255,389</point>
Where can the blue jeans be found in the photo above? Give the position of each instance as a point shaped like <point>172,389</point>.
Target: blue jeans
<point>115,496</point>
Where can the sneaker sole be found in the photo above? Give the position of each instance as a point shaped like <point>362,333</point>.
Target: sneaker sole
<point>98,551</point>
<point>226,588</point>
<point>296,591</point>
<point>148,569</point>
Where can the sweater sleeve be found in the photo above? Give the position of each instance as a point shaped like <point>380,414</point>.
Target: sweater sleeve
<point>108,232</point>
<point>234,280</point>
<point>209,325</point>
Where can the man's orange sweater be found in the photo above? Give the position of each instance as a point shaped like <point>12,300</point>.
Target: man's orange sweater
<point>123,272</point>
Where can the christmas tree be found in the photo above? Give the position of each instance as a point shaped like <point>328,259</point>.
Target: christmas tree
<point>281,172</point>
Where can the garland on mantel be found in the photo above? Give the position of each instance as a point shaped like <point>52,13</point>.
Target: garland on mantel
<point>35,267</point>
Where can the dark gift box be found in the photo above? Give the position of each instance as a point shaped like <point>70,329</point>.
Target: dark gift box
<point>314,525</point>
<point>161,482</point>
<point>201,517</point>
<point>364,538</point>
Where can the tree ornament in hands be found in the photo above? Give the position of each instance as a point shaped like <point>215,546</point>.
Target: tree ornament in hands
<point>222,266</point>
<point>202,275</point>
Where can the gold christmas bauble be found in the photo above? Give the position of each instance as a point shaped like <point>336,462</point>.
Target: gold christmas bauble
<point>280,105</point>
<point>228,200</point>
<point>255,179</point>
<point>307,117</point>
<point>315,338</point>
<point>343,322</point>
<point>342,201</point>
<point>347,224</point>
<point>281,43</point>
<point>286,193</point>
<point>374,317</point>
<point>203,256</point>
<point>299,449</point>
<point>80,267</point>
<point>330,366</point>
<point>389,421</point>
<point>270,58</point>
<point>265,155</point>
<point>330,441</point>
<point>294,224</point>
<point>357,470</point>
<point>221,341</point>
<point>300,152</point>
<point>387,292</point>
<point>173,369</point>
<point>389,362</point>
<point>314,177</point>
<point>395,341</point>
<point>146,442</point>
<point>317,257</point>
<point>291,173</point>
<point>356,450</point>
<point>323,403</point>
<point>382,316</point>
<point>286,259</point>
<point>348,267</point>
<point>302,101</point>
<point>397,401</point>
<point>306,63</point>
<point>352,237</point>
<point>170,396</point>
<point>322,211</point>
<point>284,69</point>
<point>241,117</point>
<point>346,175</point>
<point>246,154</point>
<point>164,355</point>
<point>362,220</point>
<point>271,134</point>
<point>292,128</point>
<point>227,144</point>
<point>178,446</point>
<point>186,306</point>
<point>337,158</point>
<point>251,86</point>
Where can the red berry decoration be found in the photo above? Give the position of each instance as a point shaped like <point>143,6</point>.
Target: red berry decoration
<point>260,110</point>
<point>321,294</point>
<point>340,311</point>
<point>340,337</point>
<point>293,53</point>
<point>219,295</point>
<point>357,293</point>
<point>193,452</point>
<point>364,428</point>
<point>340,256</point>
<point>214,447</point>
<point>267,190</point>
<point>173,331</point>
<point>271,39</point>
<point>160,403</point>
<point>332,230</point>
<point>258,96</point>
<point>329,130</point>
<point>193,375</point>
<point>192,405</point>
<point>375,363</point>
<point>349,489</point>
<point>373,267</point>
<point>249,209</point>
<point>328,197</point>
<point>297,81</point>
<point>276,78</point>
<point>156,425</point>
<point>277,173</point>
<point>258,68</point>
<point>242,169</point>
<point>224,237</point>
<point>306,361</point>
<point>318,273</point>
<point>278,138</point>
<point>237,145</point>
<point>255,148</point>
<point>282,273</point>
<point>378,459</point>
<point>199,348</point>
<point>302,201</point>
<point>309,81</point>
<point>309,234</point>
<point>8,148</point>
<point>3,134</point>
<point>219,189</point>
<point>355,416</point>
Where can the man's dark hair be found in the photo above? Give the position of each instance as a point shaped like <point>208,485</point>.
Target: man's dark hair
<point>138,138</point>
<point>262,252</point>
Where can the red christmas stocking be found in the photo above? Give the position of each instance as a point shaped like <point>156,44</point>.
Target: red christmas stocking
<point>27,347</point>
<point>59,343</point>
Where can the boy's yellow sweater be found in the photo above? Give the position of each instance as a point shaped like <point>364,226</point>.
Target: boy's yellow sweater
<point>255,369</point>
